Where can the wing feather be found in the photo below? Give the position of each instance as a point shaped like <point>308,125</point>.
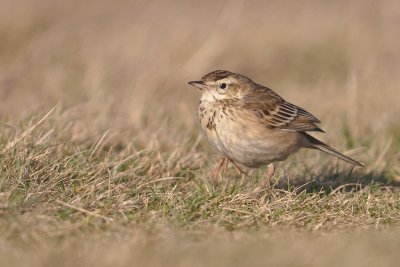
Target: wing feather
<point>274,111</point>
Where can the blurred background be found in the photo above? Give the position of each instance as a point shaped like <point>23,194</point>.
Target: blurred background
<point>124,65</point>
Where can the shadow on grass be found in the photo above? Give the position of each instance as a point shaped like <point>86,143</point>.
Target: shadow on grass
<point>331,179</point>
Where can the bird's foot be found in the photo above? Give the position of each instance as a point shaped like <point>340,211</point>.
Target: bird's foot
<point>267,179</point>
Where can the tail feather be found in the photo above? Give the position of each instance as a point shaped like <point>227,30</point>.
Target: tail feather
<point>316,144</point>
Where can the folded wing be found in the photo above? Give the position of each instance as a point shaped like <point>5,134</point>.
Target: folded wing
<point>273,111</point>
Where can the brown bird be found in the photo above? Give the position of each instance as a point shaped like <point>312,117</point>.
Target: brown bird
<point>252,125</point>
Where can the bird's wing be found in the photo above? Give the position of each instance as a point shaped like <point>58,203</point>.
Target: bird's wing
<point>273,111</point>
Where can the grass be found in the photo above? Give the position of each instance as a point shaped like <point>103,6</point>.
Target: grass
<point>102,160</point>
<point>60,193</point>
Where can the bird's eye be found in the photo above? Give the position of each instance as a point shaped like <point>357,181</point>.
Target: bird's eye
<point>222,85</point>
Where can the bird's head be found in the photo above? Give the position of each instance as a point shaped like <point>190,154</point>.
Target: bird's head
<point>223,85</point>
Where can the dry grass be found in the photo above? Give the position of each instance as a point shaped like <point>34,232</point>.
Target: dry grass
<point>99,143</point>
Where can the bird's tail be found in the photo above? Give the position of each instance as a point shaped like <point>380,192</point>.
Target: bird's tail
<point>316,144</point>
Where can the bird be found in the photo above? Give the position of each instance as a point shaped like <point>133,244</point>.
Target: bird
<point>251,125</point>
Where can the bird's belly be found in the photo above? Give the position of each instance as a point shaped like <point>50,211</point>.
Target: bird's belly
<point>249,143</point>
<point>253,145</point>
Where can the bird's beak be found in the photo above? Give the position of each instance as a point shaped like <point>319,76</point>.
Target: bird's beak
<point>199,84</point>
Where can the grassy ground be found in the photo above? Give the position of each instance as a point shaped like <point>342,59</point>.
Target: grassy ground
<point>102,160</point>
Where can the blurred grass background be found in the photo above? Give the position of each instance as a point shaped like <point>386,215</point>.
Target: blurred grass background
<point>117,73</point>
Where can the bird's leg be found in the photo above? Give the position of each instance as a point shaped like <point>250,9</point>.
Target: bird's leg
<point>263,184</point>
<point>271,171</point>
<point>238,168</point>
<point>224,179</point>
<point>217,170</point>
<point>226,166</point>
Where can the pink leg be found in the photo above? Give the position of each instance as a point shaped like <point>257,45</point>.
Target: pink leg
<point>270,174</point>
<point>218,169</point>
<point>271,171</point>
<point>226,166</point>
